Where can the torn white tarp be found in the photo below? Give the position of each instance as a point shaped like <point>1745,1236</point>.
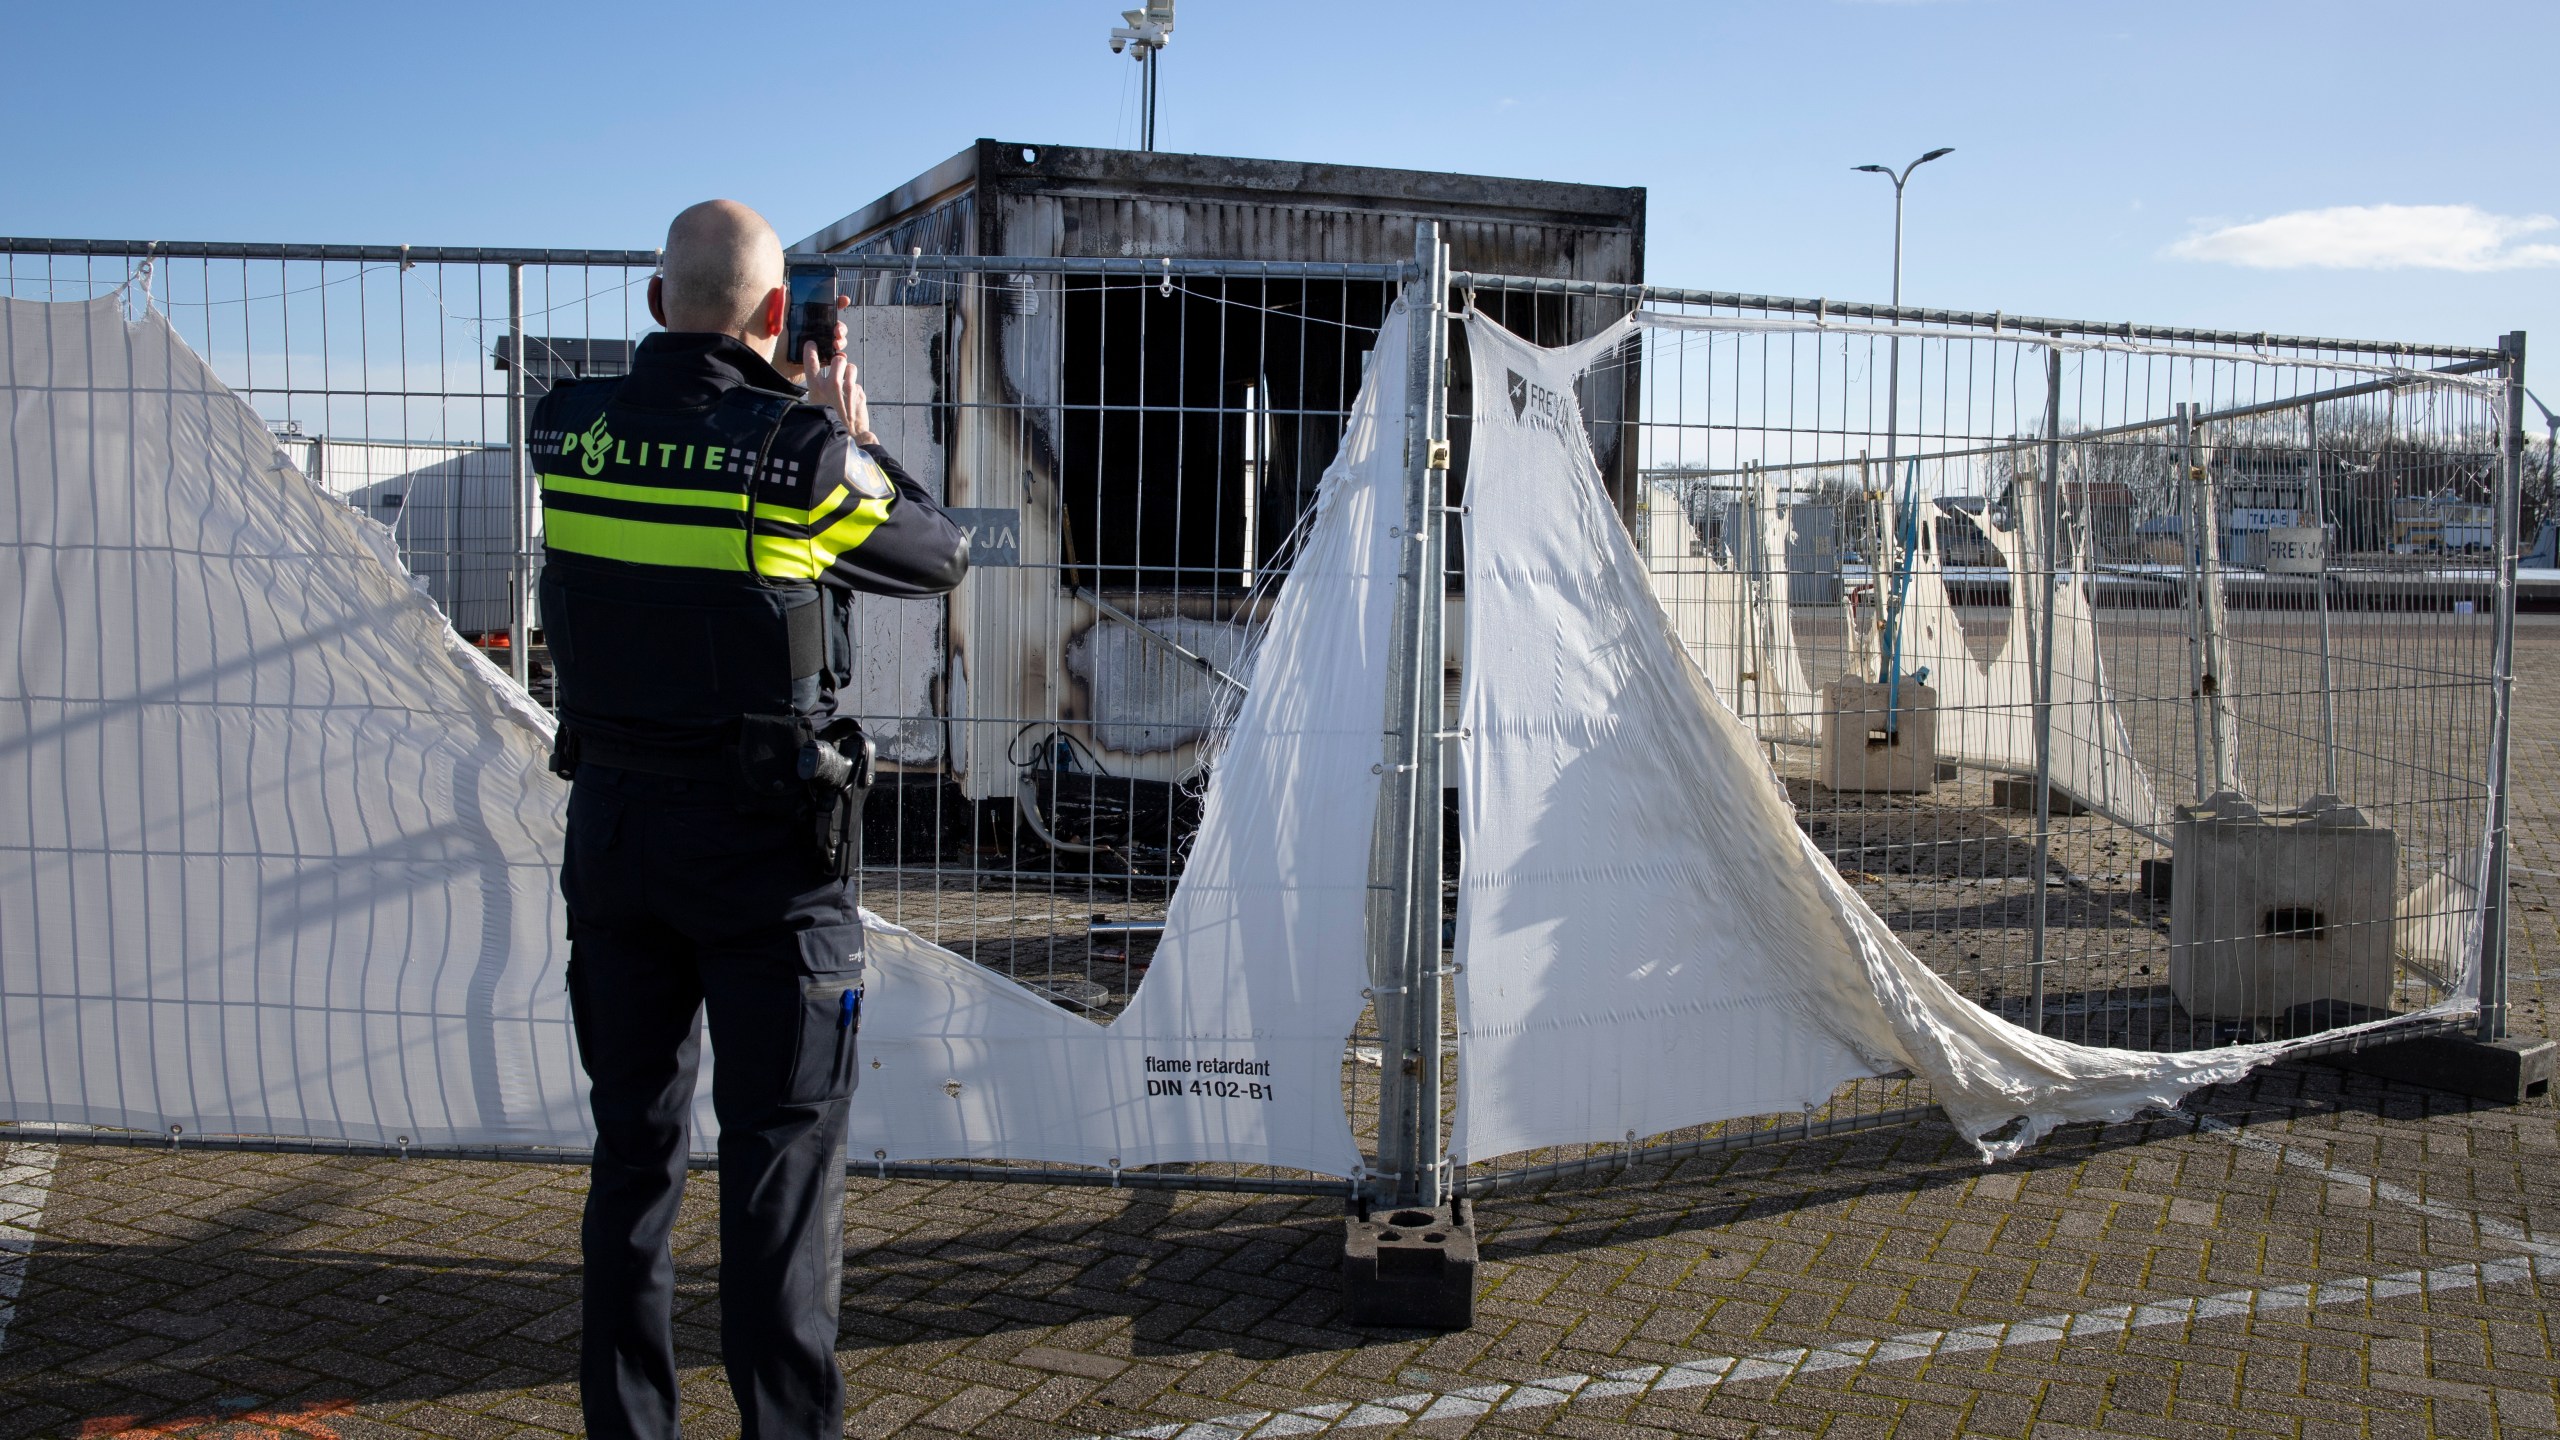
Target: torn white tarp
<point>1987,707</point>
<point>1231,1049</point>
<point>1617,920</point>
<point>1730,610</point>
<point>1646,940</point>
<point>275,847</point>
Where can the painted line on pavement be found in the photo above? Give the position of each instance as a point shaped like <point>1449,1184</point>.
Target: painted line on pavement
<point>2104,1323</point>
<point>2490,1226</point>
<point>2109,1322</point>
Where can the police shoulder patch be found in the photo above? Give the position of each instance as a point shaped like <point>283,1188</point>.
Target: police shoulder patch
<point>864,475</point>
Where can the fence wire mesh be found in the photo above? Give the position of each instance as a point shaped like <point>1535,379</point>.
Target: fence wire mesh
<point>1931,559</point>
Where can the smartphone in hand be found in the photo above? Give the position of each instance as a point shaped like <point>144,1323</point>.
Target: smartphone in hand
<point>812,301</point>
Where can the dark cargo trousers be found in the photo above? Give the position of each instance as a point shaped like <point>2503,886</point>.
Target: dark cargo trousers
<point>678,900</point>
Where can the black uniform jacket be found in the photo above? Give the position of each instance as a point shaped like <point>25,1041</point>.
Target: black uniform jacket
<point>825,513</point>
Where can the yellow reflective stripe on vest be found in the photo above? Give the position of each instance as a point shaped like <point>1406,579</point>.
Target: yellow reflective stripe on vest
<point>789,516</point>
<point>788,557</point>
<point>647,542</point>
<point>729,500</point>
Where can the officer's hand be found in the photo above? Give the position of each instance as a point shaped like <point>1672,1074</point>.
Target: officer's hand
<point>835,386</point>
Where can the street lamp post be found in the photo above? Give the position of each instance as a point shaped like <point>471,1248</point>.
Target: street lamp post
<point>1898,182</point>
<point>1893,388</point>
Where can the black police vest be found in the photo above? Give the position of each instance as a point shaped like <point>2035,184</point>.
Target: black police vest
<point>667,618</point>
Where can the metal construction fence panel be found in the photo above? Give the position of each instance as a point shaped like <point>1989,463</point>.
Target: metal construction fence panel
<point>2152,684</point>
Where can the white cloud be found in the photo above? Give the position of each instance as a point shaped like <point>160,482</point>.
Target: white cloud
<point>2378,237</point>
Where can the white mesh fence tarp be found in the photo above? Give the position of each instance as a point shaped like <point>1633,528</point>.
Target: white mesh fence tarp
<point>1617,918</point>
<point>1729,609</point>
<point>1987,707</point>
<point>277,848</point>
<point>1231,1049</point>
<point>1645,939</point>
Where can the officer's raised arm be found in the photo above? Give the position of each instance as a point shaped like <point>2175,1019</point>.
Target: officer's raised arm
<point>903,543</point>
<point>926,552</point>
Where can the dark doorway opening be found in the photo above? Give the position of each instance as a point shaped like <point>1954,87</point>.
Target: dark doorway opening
<point>1198,422</point>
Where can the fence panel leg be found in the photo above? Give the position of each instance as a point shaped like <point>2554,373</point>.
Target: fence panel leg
<point>2050,504</point>
<point>1409,1257</point>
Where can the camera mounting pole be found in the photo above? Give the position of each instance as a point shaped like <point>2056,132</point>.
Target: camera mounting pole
<point>1144,35</point>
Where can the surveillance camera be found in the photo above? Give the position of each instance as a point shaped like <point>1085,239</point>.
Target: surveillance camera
<point>1118,44</point>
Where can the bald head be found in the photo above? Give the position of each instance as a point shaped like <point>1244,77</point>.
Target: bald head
<point>722,261</point>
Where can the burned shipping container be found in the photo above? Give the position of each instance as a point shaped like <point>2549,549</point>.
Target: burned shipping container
<point>1133,452</point>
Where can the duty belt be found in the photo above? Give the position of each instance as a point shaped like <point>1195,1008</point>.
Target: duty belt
<point>718,765</point>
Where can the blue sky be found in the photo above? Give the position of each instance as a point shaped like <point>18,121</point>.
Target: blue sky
<point>2340,168</point>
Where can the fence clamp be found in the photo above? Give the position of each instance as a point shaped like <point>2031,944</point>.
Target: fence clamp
<point>1166,289</point>
<point>1439,455</point>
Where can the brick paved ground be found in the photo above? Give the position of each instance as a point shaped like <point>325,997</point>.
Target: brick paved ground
<point>2326,1255</point>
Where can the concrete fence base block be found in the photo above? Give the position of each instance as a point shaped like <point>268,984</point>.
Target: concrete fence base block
<point>2020,796</point>
<point>1410,1269</point>
<point>1878,739</point>
<point>2506,1072</point>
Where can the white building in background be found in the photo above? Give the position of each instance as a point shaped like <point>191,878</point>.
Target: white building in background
<point>450,505</point>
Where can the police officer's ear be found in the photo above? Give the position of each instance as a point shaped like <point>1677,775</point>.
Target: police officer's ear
<point>776,307</point>
<point>658,301</point>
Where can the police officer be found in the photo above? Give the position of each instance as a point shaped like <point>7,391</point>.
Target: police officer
<point>704,528</point>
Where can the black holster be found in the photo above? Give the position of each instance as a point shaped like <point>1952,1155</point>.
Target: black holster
<point>839,818</point>
<point>564,751</point>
